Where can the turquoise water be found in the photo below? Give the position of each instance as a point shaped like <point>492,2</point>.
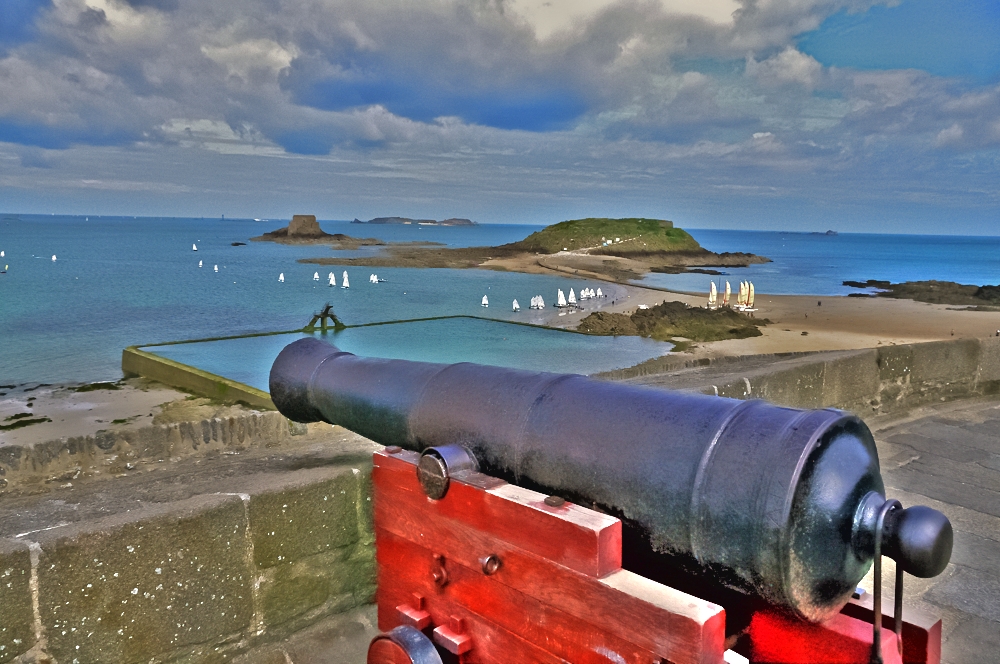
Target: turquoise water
<point>118,282</point>
<point>249,360</point>
<point>123,281</point>
<point>811,264</point>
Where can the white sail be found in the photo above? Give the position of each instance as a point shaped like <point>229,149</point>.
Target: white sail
<point>333,279</point>
<point>199,263</point>
<point>561,299</point>
<point>281,278</point>
<point>599,293</point>
<point>750,296</point>
<point>712,295</point>
<point>572,296</point>
<point>517,307</point>
<point>216,268</point>
<point>315,276</point>
<point>486,301</point>
<point>53,258</point>
<point>1,256</point>
<point>194,247</point>
<point>344,282</point>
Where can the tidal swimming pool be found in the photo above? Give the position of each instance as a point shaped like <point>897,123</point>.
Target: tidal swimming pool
<point>447,340</point>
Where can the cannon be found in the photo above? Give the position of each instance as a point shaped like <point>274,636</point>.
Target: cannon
<point>780,506</point>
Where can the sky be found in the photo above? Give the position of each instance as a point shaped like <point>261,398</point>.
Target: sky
<point>852,115</point>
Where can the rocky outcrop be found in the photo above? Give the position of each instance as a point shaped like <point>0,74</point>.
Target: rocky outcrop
<point>304,229</point>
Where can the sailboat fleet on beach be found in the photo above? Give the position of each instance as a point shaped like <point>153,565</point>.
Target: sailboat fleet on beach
<point>744,298</point>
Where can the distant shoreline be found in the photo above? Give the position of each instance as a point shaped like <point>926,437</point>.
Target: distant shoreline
<point>406,221</point>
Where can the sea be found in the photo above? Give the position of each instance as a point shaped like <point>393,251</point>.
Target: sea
<point>121,281</point>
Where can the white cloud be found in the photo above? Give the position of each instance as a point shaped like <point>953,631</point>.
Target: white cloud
<point>548,17</point>
<point>242,58</point>
<point>950,136</point>
<point>789,66</point>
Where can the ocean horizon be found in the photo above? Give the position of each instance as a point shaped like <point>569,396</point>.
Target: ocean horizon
<point>120,281</point>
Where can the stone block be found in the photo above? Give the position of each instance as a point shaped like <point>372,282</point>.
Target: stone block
<point>140,584</point>
<point>969,591</point>
<point>895,363</point>
<point>798,387</point>
<point>989,360</point>
<point>17,622</point>
<point>946,361</point>
<point>293,522</point>
<point>850,380</point>
<point>340,579</point>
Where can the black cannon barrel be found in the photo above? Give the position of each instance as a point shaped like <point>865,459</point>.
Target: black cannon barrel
<point>777,502</point>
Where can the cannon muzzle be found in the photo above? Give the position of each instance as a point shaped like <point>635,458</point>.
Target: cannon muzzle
<point>779,503</point>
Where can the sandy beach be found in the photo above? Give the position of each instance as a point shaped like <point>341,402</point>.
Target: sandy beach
<point>802,323</point>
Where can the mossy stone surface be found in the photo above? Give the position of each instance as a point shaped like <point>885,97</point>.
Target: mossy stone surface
<point>17,629</point>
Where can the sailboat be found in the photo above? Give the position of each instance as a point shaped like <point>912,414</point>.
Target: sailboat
<point>281,278</point>
<point>712,296</point>
<point>199,263</point>
<point>333,280</point>
<point>344,282</point>
<point>53,258</point>
<point>1,254</point>
<point>315,276</point>
<point>572,296</point>
<point>486,301</point>
<point>194,247</point>
<point>599,293</point>
<point>561,300</point>
<point>725,298</point>
<point>517,307</point>
<point>750,297</point>
<point>216,268</point>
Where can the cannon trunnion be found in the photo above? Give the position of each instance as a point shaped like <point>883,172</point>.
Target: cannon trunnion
<point>782,507</point>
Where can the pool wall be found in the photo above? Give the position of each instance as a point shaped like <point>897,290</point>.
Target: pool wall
<point>137,362</point>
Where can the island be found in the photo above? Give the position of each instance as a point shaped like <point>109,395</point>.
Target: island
<point>610,249</point>
<point>676,322</point>
<point>419,222</point>
<point>304,229</point>
<point>980,298</point>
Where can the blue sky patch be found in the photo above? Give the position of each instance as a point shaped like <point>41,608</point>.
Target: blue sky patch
<point>531,106</point>
<point>17,19</point>
<point>958,38</point>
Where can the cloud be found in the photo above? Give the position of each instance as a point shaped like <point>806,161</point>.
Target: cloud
<point>789,66</point>
<point>649,89</point>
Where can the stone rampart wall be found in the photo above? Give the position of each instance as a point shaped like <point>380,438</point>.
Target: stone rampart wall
<point>195,580</point>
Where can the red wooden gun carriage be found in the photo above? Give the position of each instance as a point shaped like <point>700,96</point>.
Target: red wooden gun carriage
<point>744,528</point>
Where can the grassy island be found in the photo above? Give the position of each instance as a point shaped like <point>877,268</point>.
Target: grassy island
<point>610,249</point>
<point>610,237</point>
